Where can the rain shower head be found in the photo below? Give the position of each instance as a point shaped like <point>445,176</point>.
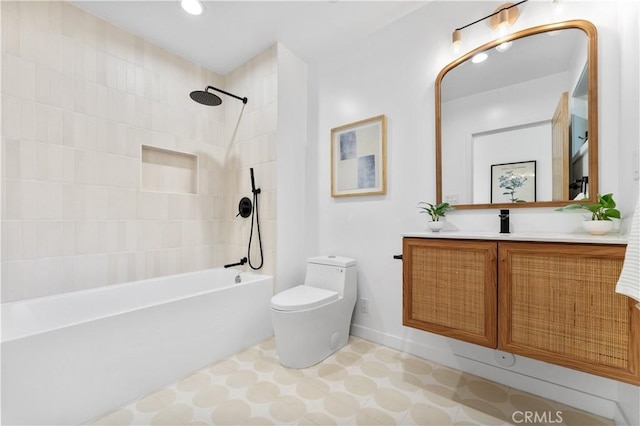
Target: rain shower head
<point>205,97</point>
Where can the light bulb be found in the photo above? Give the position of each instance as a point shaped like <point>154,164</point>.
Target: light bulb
<point>557,7</point>
<point>193,7</point>
<point>503,23</point>
<point>456,41</point>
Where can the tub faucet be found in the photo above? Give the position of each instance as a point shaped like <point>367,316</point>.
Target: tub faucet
<point>238,279</point>
<point>242,262</point>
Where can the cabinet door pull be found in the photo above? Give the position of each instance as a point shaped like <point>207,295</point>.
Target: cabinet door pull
<point>397,256</point>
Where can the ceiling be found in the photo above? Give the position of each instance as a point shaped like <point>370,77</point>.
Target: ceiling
<point>229,33</point>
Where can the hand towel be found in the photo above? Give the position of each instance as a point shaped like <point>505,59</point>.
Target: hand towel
<point>629,281</point>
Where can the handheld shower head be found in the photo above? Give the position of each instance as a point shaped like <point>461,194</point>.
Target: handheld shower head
<point>253,182</point>
<point>205,97</point>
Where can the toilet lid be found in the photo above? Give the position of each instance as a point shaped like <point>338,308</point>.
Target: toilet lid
<point>302,297</point>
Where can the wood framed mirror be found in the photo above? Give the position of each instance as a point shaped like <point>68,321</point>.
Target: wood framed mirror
<point>520,129</point>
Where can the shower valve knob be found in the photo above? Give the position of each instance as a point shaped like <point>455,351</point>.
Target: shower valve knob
<point>245,207</point>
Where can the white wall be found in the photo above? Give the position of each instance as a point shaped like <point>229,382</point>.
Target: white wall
<point>512,145</point>
<point>292,193</point>
<point>251,142</point>
<point>393,73</point>
<point>629,117</point>
<point>520,104</point>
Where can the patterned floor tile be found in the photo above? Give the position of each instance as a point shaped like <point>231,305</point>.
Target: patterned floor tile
<point>362,384</point>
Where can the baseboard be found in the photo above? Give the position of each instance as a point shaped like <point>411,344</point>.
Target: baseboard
<point>620,418</point>
<point>573,397</point>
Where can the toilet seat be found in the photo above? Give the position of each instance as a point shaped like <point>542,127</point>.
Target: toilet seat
<point>302,297</point>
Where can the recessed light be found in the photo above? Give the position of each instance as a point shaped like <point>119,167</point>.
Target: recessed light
<point>193,7</point>
<point>504,46</point>
<point>479,57</point>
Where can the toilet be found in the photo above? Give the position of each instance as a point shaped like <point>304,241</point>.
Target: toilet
<point>311,321</point>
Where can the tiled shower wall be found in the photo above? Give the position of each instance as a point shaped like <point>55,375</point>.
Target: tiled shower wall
<point>79,99</point>
<point>254,146</point>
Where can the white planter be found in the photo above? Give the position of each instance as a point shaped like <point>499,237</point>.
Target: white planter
<point>597,227</point>
<point>435,226</point>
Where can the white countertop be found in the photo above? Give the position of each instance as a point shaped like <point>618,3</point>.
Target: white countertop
<point>523,236</point>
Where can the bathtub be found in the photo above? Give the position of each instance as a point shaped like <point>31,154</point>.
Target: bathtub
<point>70,358</point>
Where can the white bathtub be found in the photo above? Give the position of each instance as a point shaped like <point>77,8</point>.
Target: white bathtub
<point>69,358</point>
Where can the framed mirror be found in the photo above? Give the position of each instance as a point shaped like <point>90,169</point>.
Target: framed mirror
<point>520,127</point>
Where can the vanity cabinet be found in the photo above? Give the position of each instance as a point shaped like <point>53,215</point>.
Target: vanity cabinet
<point>450,288</point>
<point>551,301</point>
<point>557,303</point>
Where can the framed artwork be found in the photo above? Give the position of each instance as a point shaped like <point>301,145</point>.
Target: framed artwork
<point>513,182</point>
<point>358,158</point>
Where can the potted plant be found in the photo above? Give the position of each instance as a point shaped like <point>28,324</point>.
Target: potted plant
<point>436,211</point>
<point>601,214</point>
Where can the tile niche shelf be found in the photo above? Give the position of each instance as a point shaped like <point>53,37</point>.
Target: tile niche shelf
<point>163,170</point>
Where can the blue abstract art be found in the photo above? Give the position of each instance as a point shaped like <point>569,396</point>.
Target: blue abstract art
<point>348,147</point>
<point>367,171</point>
<point>358,163</point>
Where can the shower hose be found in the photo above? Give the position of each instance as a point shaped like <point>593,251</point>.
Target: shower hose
<point>254,213</point>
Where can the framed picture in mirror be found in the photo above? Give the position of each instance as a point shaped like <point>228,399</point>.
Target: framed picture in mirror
<point>513,182</point>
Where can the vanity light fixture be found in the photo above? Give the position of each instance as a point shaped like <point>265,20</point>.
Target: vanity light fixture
<point>192,7</point>
<point>500,20</point>
<point>557,7</point>
<point>456,40</point>
<point>504,19</point>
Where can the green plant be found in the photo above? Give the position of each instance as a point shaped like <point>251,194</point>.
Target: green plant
<point>436,211</point>
<point>604,209</point>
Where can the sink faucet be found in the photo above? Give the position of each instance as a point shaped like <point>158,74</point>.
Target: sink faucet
<point>504,221</point>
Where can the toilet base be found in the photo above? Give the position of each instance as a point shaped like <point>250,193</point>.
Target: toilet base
<point>302,340</point>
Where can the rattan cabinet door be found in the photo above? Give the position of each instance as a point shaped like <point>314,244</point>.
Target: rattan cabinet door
<point>449,288</point>
<point>557,303</point>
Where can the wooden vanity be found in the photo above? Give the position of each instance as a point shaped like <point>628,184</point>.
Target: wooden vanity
<point>537,296</point>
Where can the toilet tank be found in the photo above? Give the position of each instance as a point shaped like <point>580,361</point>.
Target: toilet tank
<point>331,273</point>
